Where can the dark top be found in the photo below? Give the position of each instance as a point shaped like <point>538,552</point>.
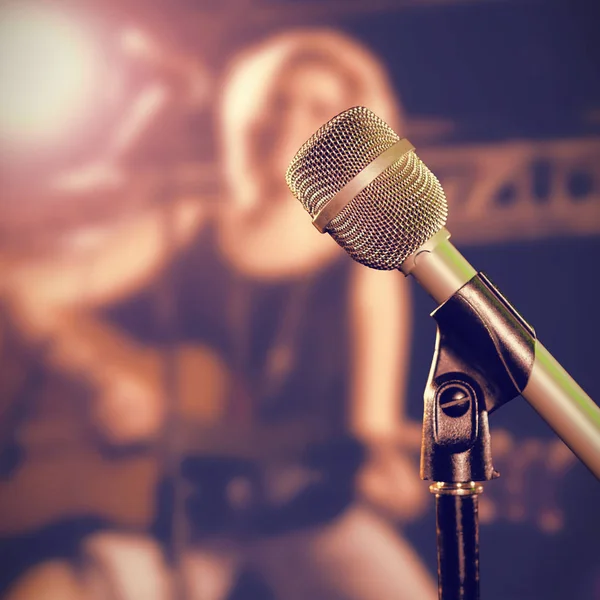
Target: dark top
<point>249,324</point>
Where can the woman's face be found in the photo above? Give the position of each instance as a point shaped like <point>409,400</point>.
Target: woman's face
<point>311,95</point>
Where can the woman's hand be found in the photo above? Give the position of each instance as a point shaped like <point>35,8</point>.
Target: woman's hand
<point>389,478</point>
<point>129,407</point>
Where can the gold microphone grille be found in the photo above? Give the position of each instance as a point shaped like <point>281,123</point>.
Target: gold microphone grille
<point>394,215</point>
<point>337,152</point>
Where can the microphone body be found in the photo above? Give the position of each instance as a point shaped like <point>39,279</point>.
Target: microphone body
<point>366,187</point>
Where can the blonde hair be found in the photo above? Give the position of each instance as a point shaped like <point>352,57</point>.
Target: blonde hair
<point>253,77</point>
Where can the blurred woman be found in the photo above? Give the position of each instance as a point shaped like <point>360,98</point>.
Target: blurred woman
<point>276,365</point>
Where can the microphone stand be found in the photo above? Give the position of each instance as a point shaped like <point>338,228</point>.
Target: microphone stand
<point>483,356</point>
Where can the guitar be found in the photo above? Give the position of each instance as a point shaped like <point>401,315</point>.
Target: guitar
<point>76,474</point>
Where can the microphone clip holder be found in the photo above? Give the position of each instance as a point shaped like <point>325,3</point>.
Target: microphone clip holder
<point>483,356</point>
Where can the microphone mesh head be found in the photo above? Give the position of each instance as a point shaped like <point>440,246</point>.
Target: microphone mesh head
<point>394,215</point>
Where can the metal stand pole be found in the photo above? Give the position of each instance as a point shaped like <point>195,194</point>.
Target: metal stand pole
<point>457,529</point>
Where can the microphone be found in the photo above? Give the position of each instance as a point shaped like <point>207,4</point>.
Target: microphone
<point>367,188</point>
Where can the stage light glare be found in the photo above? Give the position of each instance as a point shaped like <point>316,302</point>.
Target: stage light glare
<point>48,71</point>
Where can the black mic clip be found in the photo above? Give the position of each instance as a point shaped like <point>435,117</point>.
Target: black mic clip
<point>483,358</point>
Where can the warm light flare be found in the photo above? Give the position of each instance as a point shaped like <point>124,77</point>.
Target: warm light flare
<point>48,71</point>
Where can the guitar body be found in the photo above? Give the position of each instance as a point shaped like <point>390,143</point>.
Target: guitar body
<point>72,467</point>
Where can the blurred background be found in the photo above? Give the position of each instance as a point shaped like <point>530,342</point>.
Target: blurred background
<point>203,398</point>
